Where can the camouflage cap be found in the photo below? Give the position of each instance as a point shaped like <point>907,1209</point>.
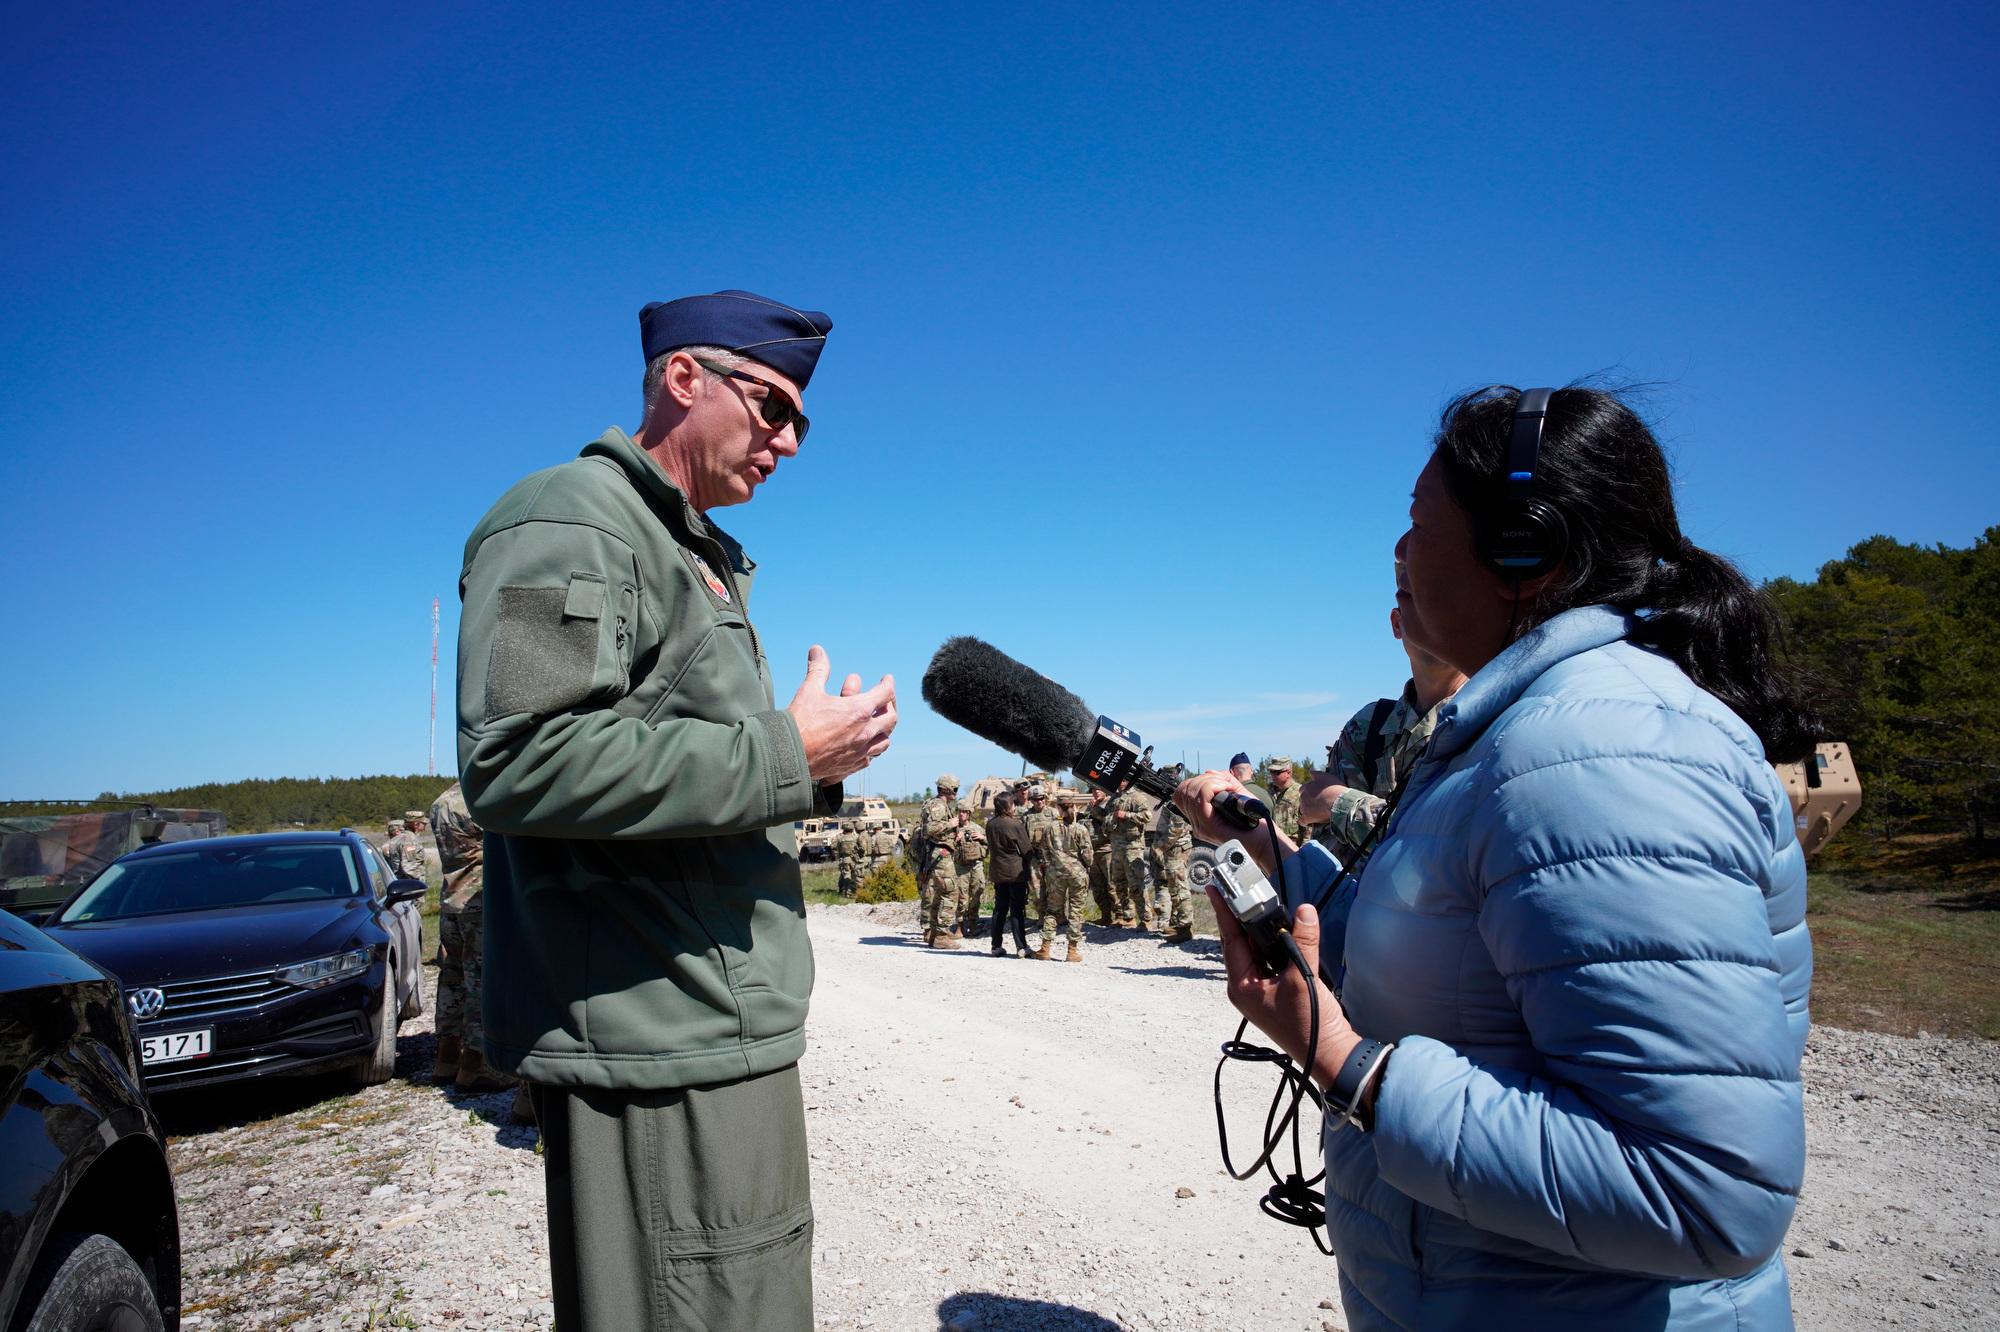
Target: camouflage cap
<point>413,815</point>
<point>947,782</point>
<point>1280,762</point>
<point>1038,792</point>
<point>396,825</point>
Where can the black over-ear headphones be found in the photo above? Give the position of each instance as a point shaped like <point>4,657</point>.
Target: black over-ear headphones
<point>1527,537</point>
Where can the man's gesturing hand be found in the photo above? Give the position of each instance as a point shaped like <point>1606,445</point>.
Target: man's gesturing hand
<point>841,734</point>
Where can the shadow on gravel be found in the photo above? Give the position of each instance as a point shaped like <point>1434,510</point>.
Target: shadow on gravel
<point>254,1100</point>
<point>233,1104</point>
<point>971,1309</point>
<point>1206,973</point>
<point>892,941</point>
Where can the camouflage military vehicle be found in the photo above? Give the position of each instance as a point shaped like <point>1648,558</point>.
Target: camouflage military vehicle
<point>45,858</point>
<point>815,836</point>
<point>980,794</point>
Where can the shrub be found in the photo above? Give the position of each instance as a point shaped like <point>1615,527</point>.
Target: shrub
<point>891,883</point>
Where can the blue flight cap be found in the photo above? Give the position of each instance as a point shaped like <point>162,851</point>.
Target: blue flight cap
<point>787,340</point>
<point>1240,758</point>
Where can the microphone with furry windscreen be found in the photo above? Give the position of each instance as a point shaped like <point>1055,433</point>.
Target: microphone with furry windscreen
<point>981,688</point>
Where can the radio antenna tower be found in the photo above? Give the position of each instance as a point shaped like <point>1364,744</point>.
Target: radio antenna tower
<point>434,687</point>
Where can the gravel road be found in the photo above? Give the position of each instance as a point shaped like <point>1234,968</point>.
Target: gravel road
<point>1006,1144</point>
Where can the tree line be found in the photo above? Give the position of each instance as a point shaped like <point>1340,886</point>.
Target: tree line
<point>1902,644</point>
<point>261,804</point>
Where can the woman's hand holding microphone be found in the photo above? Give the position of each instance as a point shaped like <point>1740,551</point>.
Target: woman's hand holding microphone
<point>1281,1006</point>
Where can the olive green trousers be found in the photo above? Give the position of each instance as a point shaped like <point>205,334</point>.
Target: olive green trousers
<point>689,1208</point>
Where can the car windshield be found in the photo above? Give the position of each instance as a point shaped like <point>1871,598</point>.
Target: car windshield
<point>204,877</point>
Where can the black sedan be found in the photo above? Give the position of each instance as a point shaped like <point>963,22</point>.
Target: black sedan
<point>241,957</point>
<point>89,1233</point>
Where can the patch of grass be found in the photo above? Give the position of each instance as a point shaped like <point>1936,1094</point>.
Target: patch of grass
<point>378,1168</point>
<point>822,884</point>
<point>263,1264</point>
<point>1903,954</point>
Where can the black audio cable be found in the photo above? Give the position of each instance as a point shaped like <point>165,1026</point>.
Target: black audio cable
<point>1291,1198</point>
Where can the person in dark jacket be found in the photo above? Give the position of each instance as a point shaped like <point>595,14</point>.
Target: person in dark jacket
<point>1562,1059</point>
<point>645,925</point>
<point>1008,844</point>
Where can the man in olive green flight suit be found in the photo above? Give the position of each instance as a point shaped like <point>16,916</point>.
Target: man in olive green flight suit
<point>619,743</point>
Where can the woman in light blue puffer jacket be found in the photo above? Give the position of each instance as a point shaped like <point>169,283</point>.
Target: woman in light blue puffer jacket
<point>1583,931</point>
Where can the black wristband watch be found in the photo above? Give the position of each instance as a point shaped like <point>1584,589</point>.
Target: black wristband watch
<point>1361,1071</point>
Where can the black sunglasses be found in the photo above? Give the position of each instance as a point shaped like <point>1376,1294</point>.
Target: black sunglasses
<point>775,407</point>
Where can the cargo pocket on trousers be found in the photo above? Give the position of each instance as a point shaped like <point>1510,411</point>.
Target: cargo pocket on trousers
<point>757,1276</point>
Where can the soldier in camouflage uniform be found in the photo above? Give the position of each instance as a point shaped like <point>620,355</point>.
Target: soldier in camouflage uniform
<point>461,1057</point>
<point>1284,798</point>
<point>1098,816</point>
<point>1130,813</point>
<point>847,854</point>
<point>1176,846</point>
<point>404,851</point>
<point>970,853</point>
<point>1376,750</point>
<point>1038,814</point>
<point>937,877</point>
<point>1062,844</point>
<point>881,848</point>
<point>419,824</point>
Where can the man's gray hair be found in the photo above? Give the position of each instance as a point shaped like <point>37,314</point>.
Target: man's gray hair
<point>656,370</point>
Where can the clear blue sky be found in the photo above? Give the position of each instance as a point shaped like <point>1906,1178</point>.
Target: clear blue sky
<point>1163,299</point>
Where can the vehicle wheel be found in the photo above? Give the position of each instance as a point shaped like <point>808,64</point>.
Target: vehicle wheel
<point>379,1065</point>
<point>87,1283</point>
<point>413,1007</point>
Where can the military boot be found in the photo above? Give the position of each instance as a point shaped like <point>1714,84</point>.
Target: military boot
<point>1075,953</point>
<point>446,1068</point>
<point>1180,934</point>
<point>945,940</point>
<point>475,1076</point>
<point>1042,953</point>
<point>930,937</point>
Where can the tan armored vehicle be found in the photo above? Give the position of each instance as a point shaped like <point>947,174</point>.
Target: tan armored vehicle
<point>45,858</point>
<point>815,836</point>
<point>1825,792</point>
<point>979,796</point>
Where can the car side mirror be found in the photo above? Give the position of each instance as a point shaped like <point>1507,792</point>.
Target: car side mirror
<point>407,890</point>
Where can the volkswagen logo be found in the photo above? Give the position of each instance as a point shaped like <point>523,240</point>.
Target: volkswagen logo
<point>146,1004</point>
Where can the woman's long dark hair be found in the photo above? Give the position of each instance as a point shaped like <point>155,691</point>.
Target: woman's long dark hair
<point>1603,469</point>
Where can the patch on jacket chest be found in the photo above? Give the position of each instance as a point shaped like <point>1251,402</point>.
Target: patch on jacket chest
<point>717,588</point>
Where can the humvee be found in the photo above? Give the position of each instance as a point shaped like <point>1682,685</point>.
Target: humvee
<point>1825,791</point>
<point>979,796</point>
<point>815,836</point>
<point>45,858</point>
